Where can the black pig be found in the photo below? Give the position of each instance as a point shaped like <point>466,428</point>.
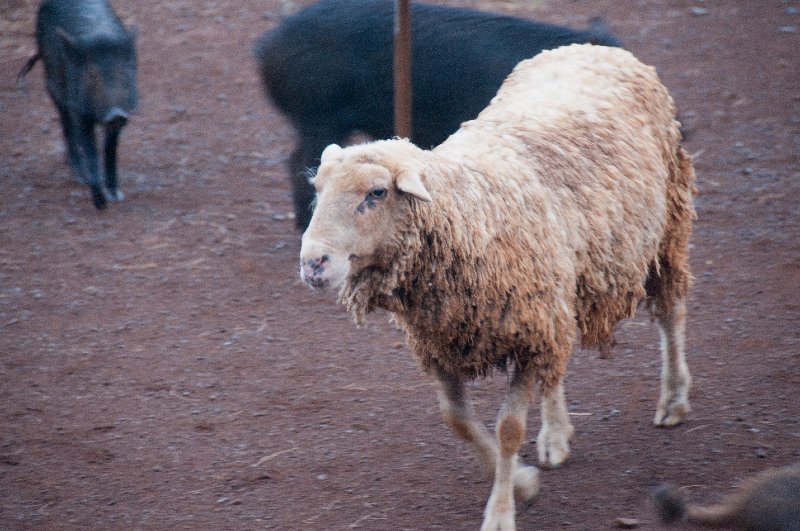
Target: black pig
<point>328,68</point>
<point>90,69</point>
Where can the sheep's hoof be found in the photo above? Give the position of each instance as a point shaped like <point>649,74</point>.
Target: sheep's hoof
<point>497,524</point>
<point>670,415</point>
<point>526,483</point>
<point>553,446</point>
<point>498,520</point>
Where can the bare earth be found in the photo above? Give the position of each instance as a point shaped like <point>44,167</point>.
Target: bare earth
<point>162,366</point>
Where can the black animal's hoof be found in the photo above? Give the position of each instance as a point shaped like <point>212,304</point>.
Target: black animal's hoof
<point>115,195</point>
<point>99,198</point>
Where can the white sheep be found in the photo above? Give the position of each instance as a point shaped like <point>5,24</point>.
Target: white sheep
<point>563,205</point>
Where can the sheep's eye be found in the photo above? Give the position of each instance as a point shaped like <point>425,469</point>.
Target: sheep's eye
<point>372,197</point>
<point>377,193</point>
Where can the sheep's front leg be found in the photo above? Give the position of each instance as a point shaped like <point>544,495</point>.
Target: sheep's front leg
<point>510,431</point>
<point>459,415</point>
<point>673,405</point>
<point>552,444</point>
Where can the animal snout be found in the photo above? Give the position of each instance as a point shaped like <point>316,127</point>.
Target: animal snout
<point>116,117</point>
<point>321,266</point>
<point>312,270</point>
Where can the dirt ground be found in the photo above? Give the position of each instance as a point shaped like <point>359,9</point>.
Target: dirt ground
<point>163,367</point>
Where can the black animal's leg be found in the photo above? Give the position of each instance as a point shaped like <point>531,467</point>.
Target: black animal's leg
<point>73,147</point>
<point>86,139</point>
<point>302,165</point>
<point>302,191</point>
<point>110,159</point>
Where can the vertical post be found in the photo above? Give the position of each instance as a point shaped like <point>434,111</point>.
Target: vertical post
<point>402,68</point>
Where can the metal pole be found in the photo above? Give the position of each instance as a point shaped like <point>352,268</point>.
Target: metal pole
<point>402,68</point>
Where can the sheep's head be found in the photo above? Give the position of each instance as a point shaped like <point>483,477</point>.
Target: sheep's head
<point>363,197</point>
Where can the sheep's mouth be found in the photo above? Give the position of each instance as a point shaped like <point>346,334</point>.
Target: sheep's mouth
<point>317,283</point>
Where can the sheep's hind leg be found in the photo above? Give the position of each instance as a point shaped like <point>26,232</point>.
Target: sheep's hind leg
<point>552,444</point>
<point>673,405</point>
<point>459,415</point>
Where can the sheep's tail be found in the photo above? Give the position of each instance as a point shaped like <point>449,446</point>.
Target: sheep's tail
<point>27,68</point>
<point>670,278</point>
<point>672,508</point>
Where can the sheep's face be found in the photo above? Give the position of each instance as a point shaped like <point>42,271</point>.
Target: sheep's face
<point>361,193</point>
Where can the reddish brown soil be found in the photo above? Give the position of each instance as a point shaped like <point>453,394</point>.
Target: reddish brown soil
<point>163,368</point>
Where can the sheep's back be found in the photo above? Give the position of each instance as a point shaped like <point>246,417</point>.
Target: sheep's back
<point>577,147</point>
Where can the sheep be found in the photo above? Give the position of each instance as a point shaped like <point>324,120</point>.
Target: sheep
<point>554,213</point>
<point>769,501</point>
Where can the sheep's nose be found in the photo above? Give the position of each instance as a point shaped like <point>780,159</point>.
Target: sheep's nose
<point>313,269</point>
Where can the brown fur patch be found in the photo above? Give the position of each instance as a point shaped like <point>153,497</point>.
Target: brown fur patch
<point>458,426</point>
<point>510,434</point>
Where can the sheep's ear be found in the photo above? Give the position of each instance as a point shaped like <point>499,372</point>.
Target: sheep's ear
<point>331,151</point>
<point>411,183</point>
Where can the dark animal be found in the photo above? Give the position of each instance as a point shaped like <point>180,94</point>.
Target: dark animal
<point>769,501</point>
<point>89,60</point>
<point>329,70</point>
